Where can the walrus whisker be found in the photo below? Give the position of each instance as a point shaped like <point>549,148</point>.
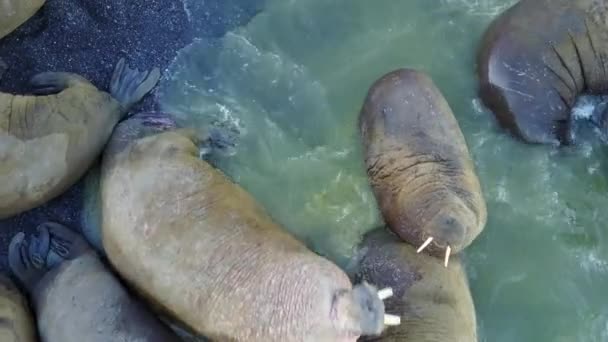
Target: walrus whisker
<point>425,244</point>
<point>448,250</point>
<point>391,319</point>
<point>385,293</point>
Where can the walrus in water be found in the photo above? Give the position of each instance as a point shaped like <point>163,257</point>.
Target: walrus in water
<point>200,248</point>
<point>535,60</point>
<point>419,165</point>
<point>76,298</point>
<point>13,13</point>
<point>47,143</point>
<point>16,321</point>
<point>435,304</point>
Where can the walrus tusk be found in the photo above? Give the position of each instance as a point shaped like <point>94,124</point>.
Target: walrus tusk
<point>385,293</point>
<point>448,250</point>
<point>426,243</point>
<point>391,319</point>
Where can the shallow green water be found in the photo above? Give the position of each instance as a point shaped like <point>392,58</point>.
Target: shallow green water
<point>293,80</point>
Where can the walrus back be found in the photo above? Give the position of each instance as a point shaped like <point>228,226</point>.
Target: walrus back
<point>46,142</point>
<point>534,61</point>
<point>434,303</point>
<point>201,247</point>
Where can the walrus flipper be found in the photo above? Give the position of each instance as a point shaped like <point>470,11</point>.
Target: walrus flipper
<point>65,244</point>
<point>27,259</point>
<point>128,86</point>
<point>54,82</point>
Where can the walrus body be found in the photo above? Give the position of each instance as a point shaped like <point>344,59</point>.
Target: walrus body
<point>536,58</point>
<point>13,13</point>
<point>434,303</point>
<point>202,249</point>
<point>48,142</point>
<point>16,321</point>
<point>76,297</point>
<point>419,165</point>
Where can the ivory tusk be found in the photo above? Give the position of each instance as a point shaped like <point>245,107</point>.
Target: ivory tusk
<point>448,250</point>
<point>385,293</point>
<point>425,244</point>
<point>391,320</point>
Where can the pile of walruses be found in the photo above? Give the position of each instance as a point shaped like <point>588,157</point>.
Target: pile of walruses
<point>203,255</point>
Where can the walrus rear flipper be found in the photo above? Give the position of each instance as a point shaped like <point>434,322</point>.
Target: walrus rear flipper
<point>27,260</point>
<point>128,86</point>
<point>51,82</point>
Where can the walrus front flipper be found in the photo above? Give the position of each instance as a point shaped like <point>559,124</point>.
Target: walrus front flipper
<point>54,82</point>
<point>27,258</point>
<point>80,299</point>
<point>128,86</point>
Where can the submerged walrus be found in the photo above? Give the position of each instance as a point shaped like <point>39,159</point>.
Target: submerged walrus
<point>16,321</point>
<point>435,304</point>
<point>13,13</point>
<point>536,58</point>
<point>48,142</point>
<point>419,165</point>
<point>204,251</point>
<point>76,298</point>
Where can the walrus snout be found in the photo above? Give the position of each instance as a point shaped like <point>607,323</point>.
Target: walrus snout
<point>449,229</point>
<point>361,311</point>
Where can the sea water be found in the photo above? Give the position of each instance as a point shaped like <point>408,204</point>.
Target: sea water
<point>288,87</point>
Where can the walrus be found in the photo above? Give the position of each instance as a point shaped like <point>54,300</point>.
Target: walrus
<point>47,143</point>
<point>16,321</point>
<point>419,165</point>
<point>534,61</point>
<point>206,254</point>
<point>76,297</point>
<point>13,13</point>
<point>435,304</point>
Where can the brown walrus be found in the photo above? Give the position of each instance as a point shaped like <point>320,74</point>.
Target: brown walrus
<point>435,304</point>
<point>536,58</point>
<point>16,321</point>
<point>13,13</point>
<point>419,165</point>
<point>48,142</point>
<point>76,297</point>
<point>205,252</point>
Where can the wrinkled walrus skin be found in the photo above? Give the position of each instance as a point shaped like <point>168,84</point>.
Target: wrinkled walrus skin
<point>47,143</point>
<point>202,250</point>
<point>16,320</point>
<point>435,304</point>
<point>13,13</point>
<point>419,165</point>
<point>75,296</point>
<point>536,58</point>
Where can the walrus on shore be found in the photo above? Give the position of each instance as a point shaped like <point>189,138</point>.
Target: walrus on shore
<point>48,142</point>
<point>13,13</point>
<point>419,165</point>
<point>76,297</point>
<point>16,321</point>
<point>435,304</point>
<point>204,251</point>
<point>536,58</point>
